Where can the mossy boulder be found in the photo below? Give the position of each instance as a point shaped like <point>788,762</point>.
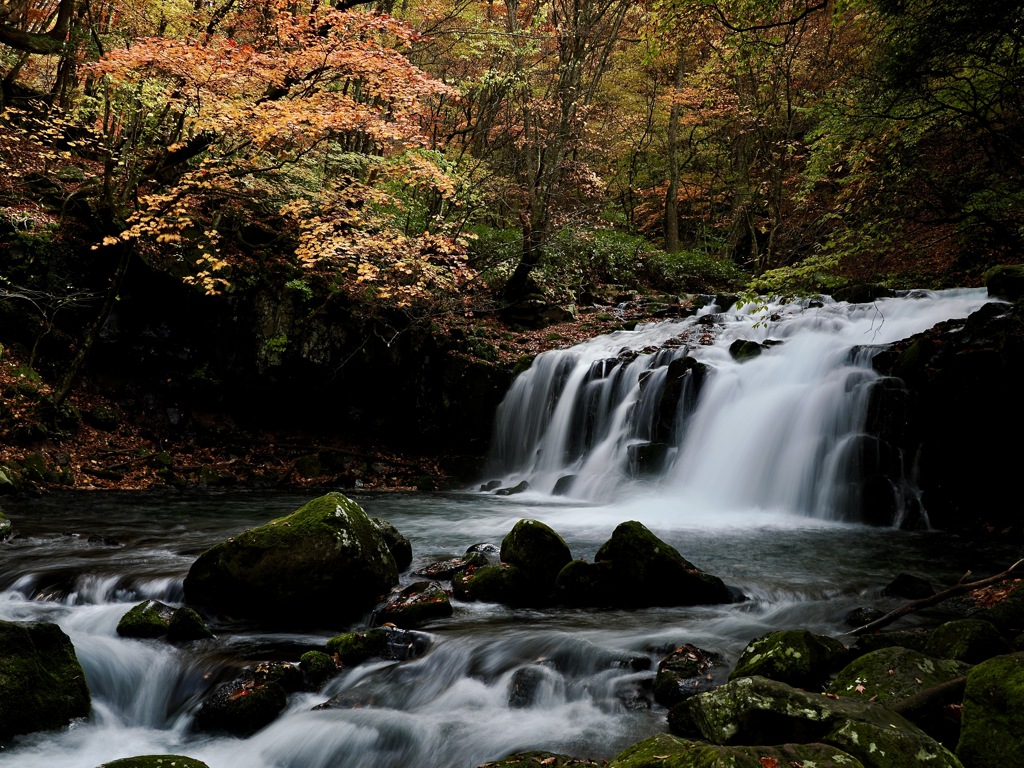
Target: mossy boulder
<point>398,545</point>
<point>539,553</point>
<point>666,751</point>
<point>187,625</point>
<point>685,672</point>
<point>155,761</point>
<point>893,675</point>
<point>414,606</point>
<point>793,656</point>
<point>915,639</point>
<point>1005,282</point>
<point>742,350</point>
<point>535,759</point>
<point>151,619</point>
<point>325,560</point>
<point>42,685</point>
<point>1007,615</point>
<point>242,706</point>
<point>967,640</point>
<point>6,527</point>
<point>148,619</point>
<point>490,584</point>
<point>755,710</point>
<point>645,571</point>
<point>388,643</point>
<point>992,728</point>
<point>317,668</point>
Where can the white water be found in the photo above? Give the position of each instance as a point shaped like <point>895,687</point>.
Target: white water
<point>450,708</point>
<point>772,433</point>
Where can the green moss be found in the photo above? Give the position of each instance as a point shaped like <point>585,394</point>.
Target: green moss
<point>992,728</point>
<point>893,674</point>
<point>354,648</point>
<point>795,657</point>
<point>538,551</point>
<point>489,584</point>
<point>665,751</point>
<point>150,618</point>
<point>318,667</point>
<point>186,624</point>
<point>155,761</point>
<point>535,759</point>
<point>967,640</point>
<point>6,527</point>
<point>42,685</point>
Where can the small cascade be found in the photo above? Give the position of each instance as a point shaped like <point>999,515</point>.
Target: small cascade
<point>759,406</point>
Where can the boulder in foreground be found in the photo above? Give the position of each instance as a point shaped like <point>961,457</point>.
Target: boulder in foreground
<point>325,561</point>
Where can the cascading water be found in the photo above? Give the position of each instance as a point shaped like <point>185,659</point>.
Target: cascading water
<point>716,435</point>
<point>776,424</point>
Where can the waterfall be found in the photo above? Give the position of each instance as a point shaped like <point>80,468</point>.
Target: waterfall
<point>760,406</point>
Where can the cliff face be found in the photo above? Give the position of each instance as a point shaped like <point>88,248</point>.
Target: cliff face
<point>958,417</point>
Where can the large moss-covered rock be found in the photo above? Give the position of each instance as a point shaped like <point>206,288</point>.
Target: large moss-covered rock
<point>317,668</point>
<point>646,571</point>
<point>967,640</point>
<point>186,625</point>
<point>490,584</point>
<point>155,761</point>
<point>755,710</point>
<point>42,685</point>
<point>325,561</point>
<point>665,751</point>
<point>581,583</point>
<point>992,730</point>
<point>893,675</point>
<point>794,656</point>
<point>539,553</point>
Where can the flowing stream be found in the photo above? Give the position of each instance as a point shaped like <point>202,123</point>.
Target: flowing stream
<point>732,493</point>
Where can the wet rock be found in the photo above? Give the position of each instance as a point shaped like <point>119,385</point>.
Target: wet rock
<point>1008,614</point>
<point>908,586</point>
<point>398,545</point>
<point>528,684</point>
<point>861,617</point>
<point>325,558</point>
<point>893,675</point>
<point>444,570</point>
<point>148,619</point>
<point>155,761</point>
<point>317,668</point>
<point>1005,282</point>
<point>6,527</point>
<point>512,490</point>
<point>490,584</point>
<point>534,759</point>
<point>563,485</point>
<point>490,485</point>
<point>795,657</point>
<point>992,729</point>
<point>582,584</point>
<point>967,640</point>
<point>863,293</point>
<point>539,553</point>
<point>742,350</point>
<point>666,751</point>
<point>388,643</point>
<point>685,672</point>
<point>755,710</point>
<point>489,552</point>
<point>246,704</point>
<point>187,625</point>
<point>914,639</point>
<point>645,571</point>
<point>647,459</point>
<point>414,606</point>
<point>42,685</point>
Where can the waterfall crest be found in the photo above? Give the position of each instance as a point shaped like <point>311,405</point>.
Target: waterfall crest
<point>759,406</point>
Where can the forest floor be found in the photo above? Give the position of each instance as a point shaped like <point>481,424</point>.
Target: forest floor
<point>85,451</point>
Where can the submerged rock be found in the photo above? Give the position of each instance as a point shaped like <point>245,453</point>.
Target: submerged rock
<point>325,559</point>
<point>794,656</point>
<point>155,761</point>
<point>42,685</point>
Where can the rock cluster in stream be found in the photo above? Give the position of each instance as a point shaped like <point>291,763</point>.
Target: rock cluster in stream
<point>951,697</point>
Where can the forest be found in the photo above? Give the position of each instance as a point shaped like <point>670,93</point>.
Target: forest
<point>440,164</point>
